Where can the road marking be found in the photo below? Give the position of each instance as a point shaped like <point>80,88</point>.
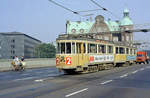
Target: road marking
<point>40,80</point>
<point>125,75</point>
<point>24,74</point>
<point>142,69</point>
<point>135,71</point>
<point>24,78</point>
<point>39,72</point>
<point>76,92</point>
<point>148,67</point>
<point>106,82</point>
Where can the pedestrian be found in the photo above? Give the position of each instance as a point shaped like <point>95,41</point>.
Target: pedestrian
<point>22,61</point>
<point>22,58</point>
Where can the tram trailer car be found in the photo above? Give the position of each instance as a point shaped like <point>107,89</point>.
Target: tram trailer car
<point>89,55</point>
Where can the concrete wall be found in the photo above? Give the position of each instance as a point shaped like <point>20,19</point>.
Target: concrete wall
<point>30,63</point>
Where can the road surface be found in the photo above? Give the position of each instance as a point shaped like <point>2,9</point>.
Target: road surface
<point>120,82</point>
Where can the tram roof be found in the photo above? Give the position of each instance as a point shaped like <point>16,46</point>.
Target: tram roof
<point>90,37</point>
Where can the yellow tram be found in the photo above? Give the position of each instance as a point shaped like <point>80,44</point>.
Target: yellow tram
<point>83,54</point>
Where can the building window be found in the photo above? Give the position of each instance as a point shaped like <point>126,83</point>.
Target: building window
<point>122,38</point>
<point>13,41</point>
<point>12,46</point>
<point>115,38</point>
<point>127,38</point>
<point>12,52</point>
<point>106,38</point>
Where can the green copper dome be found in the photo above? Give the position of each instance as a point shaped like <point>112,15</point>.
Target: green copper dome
<point>126,19</point>
<point>113,25</point>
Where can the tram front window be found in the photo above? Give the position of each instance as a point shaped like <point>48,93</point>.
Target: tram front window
<point>62,48</point>
<point>68,48</point>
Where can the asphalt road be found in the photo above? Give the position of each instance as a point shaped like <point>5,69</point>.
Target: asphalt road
<point>122,82</point>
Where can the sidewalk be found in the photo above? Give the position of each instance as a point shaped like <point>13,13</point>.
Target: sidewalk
<point>5,65</point>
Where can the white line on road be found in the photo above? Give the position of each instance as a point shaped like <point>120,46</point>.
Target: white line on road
<point>24,74</point>
<point>135,71</point>
<point>40,80</point>
<point>76,92</point>
<point>106,82</point>
<point>125,75</point>
<point>24,78</point>
<point>142,69</point>
<point>148,67</point>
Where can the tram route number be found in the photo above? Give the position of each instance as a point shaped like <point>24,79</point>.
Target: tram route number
<point>68,61</point>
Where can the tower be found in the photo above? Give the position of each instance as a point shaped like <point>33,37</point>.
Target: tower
<point>126,24</point>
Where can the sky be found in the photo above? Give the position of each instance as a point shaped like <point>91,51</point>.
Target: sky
<point>45,21</point>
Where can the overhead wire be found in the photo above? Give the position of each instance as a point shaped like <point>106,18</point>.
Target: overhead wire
<point>104,9</point>
<point>78,12</point>
<point>70,10</point>
<point>74,12</point>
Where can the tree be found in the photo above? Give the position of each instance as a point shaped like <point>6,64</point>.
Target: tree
<point>45,51</point>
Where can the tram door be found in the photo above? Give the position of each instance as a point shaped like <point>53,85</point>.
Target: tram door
<point>79,51</point>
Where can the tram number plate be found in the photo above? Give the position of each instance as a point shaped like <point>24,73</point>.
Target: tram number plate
<point>68,60</point>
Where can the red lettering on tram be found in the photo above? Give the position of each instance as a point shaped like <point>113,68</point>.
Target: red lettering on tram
<point>68,61</point>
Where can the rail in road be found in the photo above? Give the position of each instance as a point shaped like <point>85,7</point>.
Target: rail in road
<point>122,82</point>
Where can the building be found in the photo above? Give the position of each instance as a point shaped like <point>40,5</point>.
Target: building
<point>17,44</point>
<point>101,26</point>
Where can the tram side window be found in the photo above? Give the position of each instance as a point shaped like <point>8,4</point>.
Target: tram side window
<point>131,51</point>
<point>101,49</point>
<point>78,47</point>
<point>127,50</point>
<point>84,46</point>
<point>73,47</point>
<point>110,49</point>
<point>58,48</point>
<point>62,48</point>
<point>92,48</point>
<point>117,50</point>
<point>134,51</point>
<point>121,50</point>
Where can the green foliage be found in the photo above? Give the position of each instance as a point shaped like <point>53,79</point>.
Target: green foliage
<point>45,51</point>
